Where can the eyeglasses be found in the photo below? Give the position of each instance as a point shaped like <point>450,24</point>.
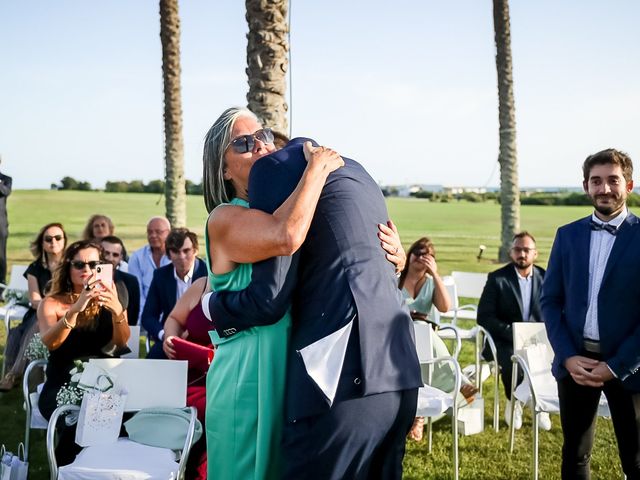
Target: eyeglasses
<point>50,239</point>
<point>246,143</point>
<point>79,265</point>
<point>524,250</point>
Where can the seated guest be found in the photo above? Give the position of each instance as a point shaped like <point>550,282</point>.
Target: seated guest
<point>423,289</point>
<point>98,226</point>
<point>146,260</point>
<point>79,318</point>
<point>47,248</point>
<point>187,322</point>
<point>512,294</point>
<point>169,284</point>
<point>113,252</point>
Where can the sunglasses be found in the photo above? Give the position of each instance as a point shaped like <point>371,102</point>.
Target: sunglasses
<point>79,265</point>
<point>246,143</point>
<point>50,239</point>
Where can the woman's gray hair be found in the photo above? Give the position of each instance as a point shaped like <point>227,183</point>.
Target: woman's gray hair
<point>217,190</point>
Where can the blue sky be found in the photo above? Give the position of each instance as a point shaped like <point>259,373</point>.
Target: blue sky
<point>408,88</point>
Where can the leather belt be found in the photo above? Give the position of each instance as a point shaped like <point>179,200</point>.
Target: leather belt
<point>592,346</point>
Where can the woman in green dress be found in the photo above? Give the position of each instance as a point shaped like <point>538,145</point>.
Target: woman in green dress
<point>245,383</point>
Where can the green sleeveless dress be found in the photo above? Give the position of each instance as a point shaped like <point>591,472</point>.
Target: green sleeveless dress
<point>245,392</point>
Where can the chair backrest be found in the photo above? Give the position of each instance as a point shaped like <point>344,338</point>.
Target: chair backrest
<point>469,284</point>
<point>134,342</point>
<point>450,285</point>
<point>17,281</point>
<point>424,342</point>
<point>149,383</point>
<point>530,341</point>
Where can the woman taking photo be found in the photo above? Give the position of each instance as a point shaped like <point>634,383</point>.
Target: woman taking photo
<point>47,249</point>
<point>423,289</point>
<point>79,318</point>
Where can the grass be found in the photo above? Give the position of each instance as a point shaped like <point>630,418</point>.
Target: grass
<point>457,230</point>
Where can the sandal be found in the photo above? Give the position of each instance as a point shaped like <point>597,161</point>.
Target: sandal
<point>417,429</point>
<point>469,392</point>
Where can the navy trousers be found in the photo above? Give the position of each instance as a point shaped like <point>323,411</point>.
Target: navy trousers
<point>359,438</point>
<point>578,408</point>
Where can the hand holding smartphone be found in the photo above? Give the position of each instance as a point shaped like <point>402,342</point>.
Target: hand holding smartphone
<point>104,273</point>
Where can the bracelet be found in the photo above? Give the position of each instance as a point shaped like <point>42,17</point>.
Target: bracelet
<point>66,322</point>
<point>120,318</point>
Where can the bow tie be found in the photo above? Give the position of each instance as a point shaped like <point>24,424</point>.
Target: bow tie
<point>603,226</point>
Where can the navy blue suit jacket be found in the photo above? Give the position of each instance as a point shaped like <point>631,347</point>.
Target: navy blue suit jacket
<point>564,299</point>
<point>339,274</point>
<point>160,301</point>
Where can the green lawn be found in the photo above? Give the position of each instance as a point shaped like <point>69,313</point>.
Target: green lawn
<point>457,229</point>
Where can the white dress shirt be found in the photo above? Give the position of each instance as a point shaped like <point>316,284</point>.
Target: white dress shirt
<point>182,283</point>
<point>526,289</point>
<point>599,251</point>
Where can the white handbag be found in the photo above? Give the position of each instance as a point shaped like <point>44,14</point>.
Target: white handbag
<point>101,412</point>
<point>13,467</point>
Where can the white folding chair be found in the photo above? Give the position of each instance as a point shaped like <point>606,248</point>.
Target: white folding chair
<point>534,355</point>
<point>467,285</point>
<point>149,383</point>
<point>11,310</point>
<point>432,401</point>
<point>34,419</point>
<point>472,286</point>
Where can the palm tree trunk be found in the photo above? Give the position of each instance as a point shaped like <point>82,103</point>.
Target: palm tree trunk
<point>508,158</point>
<point>267,61</point>
<point>175,194</point>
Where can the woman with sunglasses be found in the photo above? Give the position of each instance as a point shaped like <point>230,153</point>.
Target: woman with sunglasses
<point>423,289</point>
<point>245,383</point>
<point>79,318</point>
<point>47,248</point>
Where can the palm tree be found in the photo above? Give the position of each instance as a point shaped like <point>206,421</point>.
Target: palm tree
<point>267,61</point>
<point>508,159</point>
<point>175,194</point>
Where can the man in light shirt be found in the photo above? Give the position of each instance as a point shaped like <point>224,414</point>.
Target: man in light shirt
<point>512,294</point>
<point>169,284</point>
<point>591,308</point>
<point>144,261</point>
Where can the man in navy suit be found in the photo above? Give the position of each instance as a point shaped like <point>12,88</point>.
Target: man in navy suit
<point>349,421</point>
<point>512,294</point>
<point>169,283</point>
<point>591,308</point>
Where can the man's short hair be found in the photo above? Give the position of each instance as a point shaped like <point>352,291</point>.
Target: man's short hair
<point>609,156</point>
<point>176,239</point>
<point>116,241</point>
<point>523,234</point>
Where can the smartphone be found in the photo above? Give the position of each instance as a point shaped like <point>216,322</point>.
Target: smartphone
<point>104,273</point>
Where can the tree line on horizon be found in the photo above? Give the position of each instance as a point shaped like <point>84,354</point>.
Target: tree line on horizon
<point>122,186</point>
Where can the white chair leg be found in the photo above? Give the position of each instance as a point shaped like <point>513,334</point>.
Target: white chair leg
<point>512,430</point>
<point>455,442</point>
<point>535,444</point>
<point>496,395</point>
<point>429,435</point>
